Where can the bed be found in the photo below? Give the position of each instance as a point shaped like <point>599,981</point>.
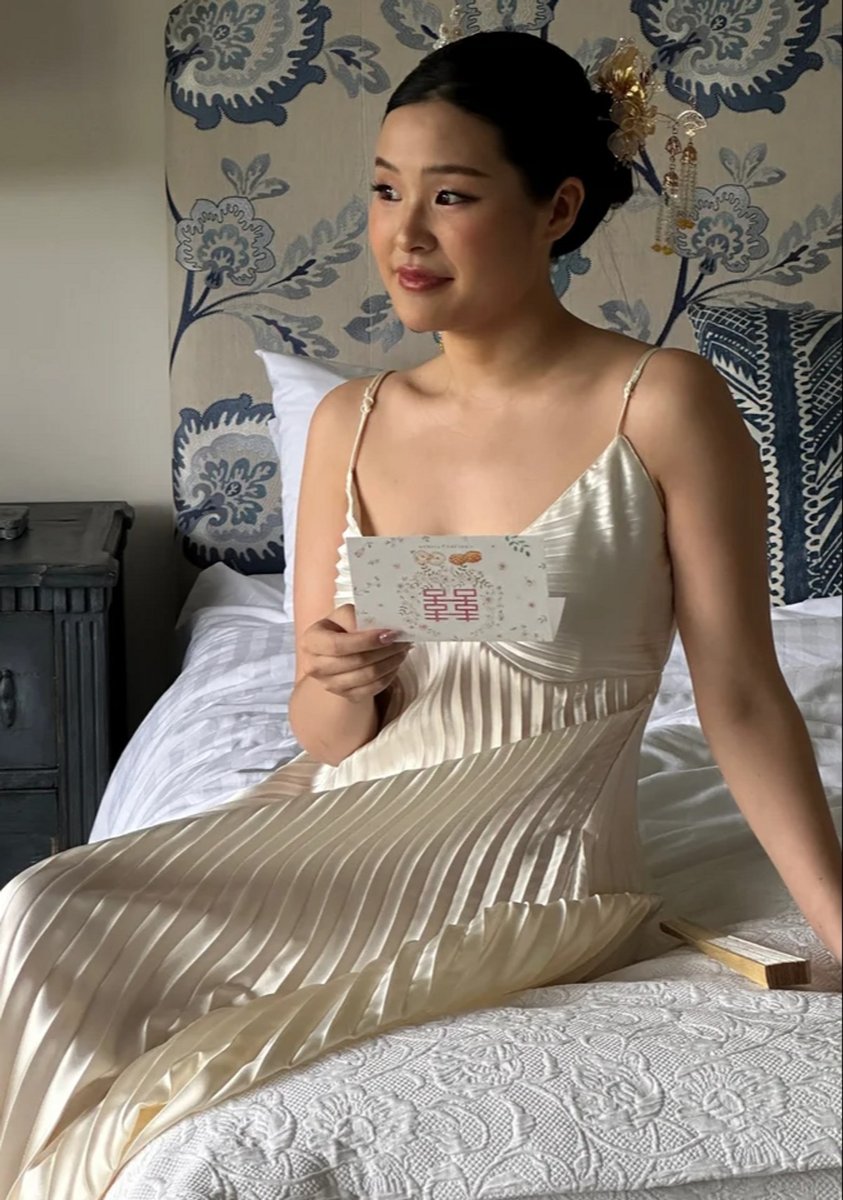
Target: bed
<point>673,1079</point>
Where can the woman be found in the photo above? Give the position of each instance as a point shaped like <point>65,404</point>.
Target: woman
<point>462,822</point>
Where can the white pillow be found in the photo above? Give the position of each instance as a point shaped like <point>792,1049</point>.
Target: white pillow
<point>298,384</point>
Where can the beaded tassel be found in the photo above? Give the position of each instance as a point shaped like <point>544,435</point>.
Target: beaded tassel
<point>687,187</point>
<point>665,242</point>
<point>679,189</point>
<point>664,223</point>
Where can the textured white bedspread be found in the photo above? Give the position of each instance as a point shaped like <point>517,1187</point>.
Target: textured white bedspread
<point>671,1080</point>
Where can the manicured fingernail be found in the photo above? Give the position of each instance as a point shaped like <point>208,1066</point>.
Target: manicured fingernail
<point>387,637</point>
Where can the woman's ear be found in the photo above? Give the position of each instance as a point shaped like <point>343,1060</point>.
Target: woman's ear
<point>565,208</point>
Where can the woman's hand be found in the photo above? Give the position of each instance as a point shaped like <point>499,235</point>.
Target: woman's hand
<point>354,665</point>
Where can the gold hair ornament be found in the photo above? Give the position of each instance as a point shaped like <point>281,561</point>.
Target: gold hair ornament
<point>451,30</point>
<point>630,81</point>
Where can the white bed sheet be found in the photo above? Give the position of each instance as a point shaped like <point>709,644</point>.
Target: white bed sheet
<point>671,1080</point>
<point>222,725</point>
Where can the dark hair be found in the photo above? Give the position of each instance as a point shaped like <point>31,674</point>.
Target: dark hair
<point>551,122</point>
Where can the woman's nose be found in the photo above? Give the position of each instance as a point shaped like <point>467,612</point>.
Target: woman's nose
<point>414,232</point>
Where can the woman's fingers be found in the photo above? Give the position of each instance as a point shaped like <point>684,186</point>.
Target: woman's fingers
<point>327,666</point>
<point>367,680</point>
<point>334,643</point>
<point>352,663</point>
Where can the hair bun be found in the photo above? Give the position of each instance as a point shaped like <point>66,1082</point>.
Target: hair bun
<point>602,103</point>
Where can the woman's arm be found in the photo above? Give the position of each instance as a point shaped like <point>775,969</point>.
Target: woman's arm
<point>330,727</point>
<point>768,762</point>
<point>710,472</point>
<point>327,726</point>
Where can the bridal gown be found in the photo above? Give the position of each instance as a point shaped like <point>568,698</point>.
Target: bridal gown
<point>483,843</point>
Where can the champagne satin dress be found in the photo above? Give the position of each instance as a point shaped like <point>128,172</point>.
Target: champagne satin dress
<point>484,842</point>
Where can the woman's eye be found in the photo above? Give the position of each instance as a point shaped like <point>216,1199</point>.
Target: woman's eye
<point>445,198</point>
<point>451,198</point>
<point>383,190</point>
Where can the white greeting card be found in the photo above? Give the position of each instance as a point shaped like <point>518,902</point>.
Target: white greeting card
<point>477,589</point>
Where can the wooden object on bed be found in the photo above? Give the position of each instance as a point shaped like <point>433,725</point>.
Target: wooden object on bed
<point>767,967</point>
<point>62,676</point>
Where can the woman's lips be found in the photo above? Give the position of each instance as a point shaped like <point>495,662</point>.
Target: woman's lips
<point>420,281</point>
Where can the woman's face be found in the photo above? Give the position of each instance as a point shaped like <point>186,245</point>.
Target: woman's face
<point>456,237</point>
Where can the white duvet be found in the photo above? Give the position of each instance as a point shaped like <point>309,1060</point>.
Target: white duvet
<point>670,1080</point>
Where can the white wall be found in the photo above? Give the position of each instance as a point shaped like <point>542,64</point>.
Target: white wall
<point>84,405</point>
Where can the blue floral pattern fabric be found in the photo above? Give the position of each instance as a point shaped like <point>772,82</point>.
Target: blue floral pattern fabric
<point>243,61</point>
<point>227,481</point>
<point>744,55</point>
<point>274,106</point>
<point>784,371</point>
<point>225,239</point>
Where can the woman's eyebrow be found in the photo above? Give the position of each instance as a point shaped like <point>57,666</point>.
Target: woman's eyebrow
<point>437,169</point>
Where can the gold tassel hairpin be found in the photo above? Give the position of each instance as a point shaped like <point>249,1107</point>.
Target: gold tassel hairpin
<point>676,206</point>
<point>630,81</point>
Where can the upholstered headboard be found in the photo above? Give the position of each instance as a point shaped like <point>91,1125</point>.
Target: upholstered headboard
<point>272,111</point>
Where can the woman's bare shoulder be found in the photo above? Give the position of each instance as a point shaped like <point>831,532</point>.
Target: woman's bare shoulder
<point>682,408</point>
<point>342,400</point>
<point>670,385</point>
<point>683,389</point>
<point>336,416</point>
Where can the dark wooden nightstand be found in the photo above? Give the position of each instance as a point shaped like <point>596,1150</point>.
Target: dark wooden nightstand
<point>62,676</point>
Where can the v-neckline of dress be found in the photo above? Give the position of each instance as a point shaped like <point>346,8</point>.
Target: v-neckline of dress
<point>353,519</point>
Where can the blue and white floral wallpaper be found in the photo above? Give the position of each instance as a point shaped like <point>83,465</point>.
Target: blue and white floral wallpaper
<point>273,109</point>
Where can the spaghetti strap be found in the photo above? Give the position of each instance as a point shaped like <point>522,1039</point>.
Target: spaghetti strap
<point>631,382</point>
<point>368,403</point>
